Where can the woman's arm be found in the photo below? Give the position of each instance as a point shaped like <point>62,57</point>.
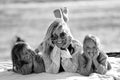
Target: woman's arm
<point>50,58</point>
<point>70,64</point>
<point>52,61</point>
<point>50,65</point>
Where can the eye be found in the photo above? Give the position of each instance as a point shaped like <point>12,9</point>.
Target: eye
<point>88,47</point>
<point>63,35</point>
<point>25,53</point>
<point>54,37</point>
<point>94,48</point>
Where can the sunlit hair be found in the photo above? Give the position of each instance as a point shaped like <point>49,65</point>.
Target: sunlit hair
<point>47,44</point>
<point>94,39</point>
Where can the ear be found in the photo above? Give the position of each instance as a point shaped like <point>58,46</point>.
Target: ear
<point>57,13</point>
<point>65,14</point>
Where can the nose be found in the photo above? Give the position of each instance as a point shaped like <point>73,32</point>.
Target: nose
<point>90,51</point>
<point>59,40</point>
<point>27,56</point>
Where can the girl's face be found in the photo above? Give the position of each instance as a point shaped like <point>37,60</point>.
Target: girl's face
<point>26,55</point>
<point>90,47</point>
<point>60,38</point>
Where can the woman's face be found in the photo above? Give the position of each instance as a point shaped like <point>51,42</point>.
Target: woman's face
<point>90,47</point>
<point>60,38</point>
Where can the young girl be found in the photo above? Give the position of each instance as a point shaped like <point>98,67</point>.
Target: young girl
<point>93,60</point>
<point>24,59</point>
<point>60,50</point>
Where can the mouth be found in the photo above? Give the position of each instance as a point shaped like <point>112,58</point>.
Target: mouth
<point>59,42</point>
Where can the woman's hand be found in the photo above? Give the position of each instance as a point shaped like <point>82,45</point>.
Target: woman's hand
<point>65,54</point>
<point>55,55</point>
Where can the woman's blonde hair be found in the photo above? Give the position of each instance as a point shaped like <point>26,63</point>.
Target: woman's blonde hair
<point>47,44</point>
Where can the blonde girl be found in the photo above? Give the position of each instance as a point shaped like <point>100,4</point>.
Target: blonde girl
<point>93,59</point>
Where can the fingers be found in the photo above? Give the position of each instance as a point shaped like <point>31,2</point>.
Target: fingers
<point>65,54</point>
<point>88,56</point>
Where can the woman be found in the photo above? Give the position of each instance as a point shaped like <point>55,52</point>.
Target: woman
<point>60,50</point>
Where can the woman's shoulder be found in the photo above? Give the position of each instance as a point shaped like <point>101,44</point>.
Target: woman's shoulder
<point>76,41</point>
<point>77,46</point>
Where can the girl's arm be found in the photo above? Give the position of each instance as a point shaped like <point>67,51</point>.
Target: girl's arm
<point>85,66</point>
<point>25,69</point>
<point>38,64</point>
<point>102,64</point>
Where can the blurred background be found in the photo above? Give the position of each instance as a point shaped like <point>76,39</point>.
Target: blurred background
<point>30,19</point>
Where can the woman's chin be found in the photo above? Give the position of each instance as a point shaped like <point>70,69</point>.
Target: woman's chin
<point>62,45</point>
<point>59,45</point>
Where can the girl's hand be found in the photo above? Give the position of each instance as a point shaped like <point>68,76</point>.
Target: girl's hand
<point>27,59</point>
<point>30,59</point>
<point>88,56</point>
<point>95,55</point>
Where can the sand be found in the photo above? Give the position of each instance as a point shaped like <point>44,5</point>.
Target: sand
<point>113,74</point>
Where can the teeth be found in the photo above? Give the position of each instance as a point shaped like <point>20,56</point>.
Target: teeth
<point>59,42</point>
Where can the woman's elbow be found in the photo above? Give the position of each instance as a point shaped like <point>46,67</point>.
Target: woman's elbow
<point>53,71</point>
<point>103,71</point>
<point>71,69</point>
